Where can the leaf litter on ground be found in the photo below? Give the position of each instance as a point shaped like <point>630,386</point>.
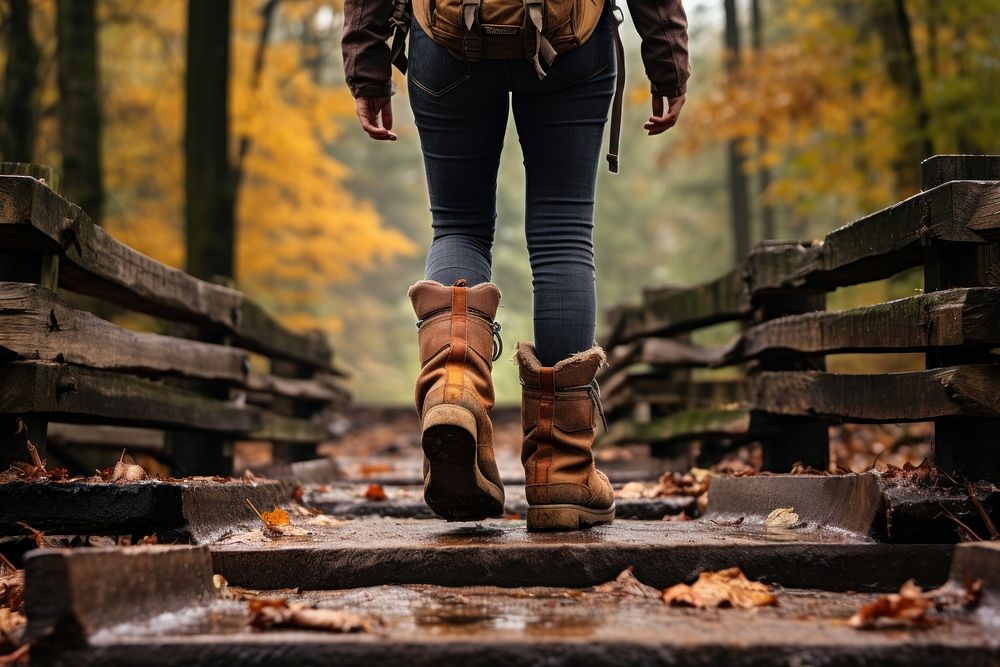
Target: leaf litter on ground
<point>626,584</point>
<point>276,523</point>
<point>279,613</point>
<point>12,618</point>
<point>911,606</point>
<point>725,588</point>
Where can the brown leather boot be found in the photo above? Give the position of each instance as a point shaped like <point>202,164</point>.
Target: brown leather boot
<point>454,394</point>
<point>565,490</point>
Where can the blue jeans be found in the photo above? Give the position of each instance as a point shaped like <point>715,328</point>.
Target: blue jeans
<point>461,112</point>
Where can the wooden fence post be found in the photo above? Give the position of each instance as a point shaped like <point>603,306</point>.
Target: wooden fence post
<point>970,447</point>
<point>289,452</point>
<point>42,270</point>
<point>786,439</point>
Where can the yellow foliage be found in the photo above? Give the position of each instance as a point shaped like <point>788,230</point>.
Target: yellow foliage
<point>299,229</point>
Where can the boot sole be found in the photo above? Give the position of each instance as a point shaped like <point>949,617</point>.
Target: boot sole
<point>456,489</point>
<point>567,517</point>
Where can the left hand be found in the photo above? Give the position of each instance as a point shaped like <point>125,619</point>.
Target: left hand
<point>659,122</point>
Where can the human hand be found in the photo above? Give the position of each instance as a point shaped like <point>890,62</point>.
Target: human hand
<point>659,122</point>
<point>375,114</point>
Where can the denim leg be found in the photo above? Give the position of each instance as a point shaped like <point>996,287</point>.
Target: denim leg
<point>560,135</point>
<point>461,113</point>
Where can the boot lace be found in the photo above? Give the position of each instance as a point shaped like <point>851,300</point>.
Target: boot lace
<point>594,391</point>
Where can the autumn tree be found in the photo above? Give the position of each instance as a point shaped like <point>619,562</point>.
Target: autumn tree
<point>209,209</point>
<point>18,94</point>
<point>79,106</point>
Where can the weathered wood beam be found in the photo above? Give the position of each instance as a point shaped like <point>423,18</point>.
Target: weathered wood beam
<point>82,395</point>
<point>953,317</point>
<point>106,436</point>
<point>952,392</point>
<point>37,325</point>
<point>686,424</point>
<point>720,300</point>
<point>289,430</point>
<point>34,219</point>
<point>874,247</point>
<point>307,390</point>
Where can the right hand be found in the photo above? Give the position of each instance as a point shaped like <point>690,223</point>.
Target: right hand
<point>375,114</point>
<point>660,122</point>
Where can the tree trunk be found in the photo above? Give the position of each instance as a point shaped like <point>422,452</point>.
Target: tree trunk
<point>19,89</point>
<point>892,21</point>
<point>768,222</point>
<point>79,105</point>
<point>208,184</point>
<point>738,190</point>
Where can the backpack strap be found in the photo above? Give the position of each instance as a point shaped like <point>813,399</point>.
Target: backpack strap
<point>473,39</point>
<point>542,46</point>
<point>400,24</point>
<point>616,105</point>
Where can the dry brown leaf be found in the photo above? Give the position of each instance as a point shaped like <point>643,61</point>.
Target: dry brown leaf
<point>625,584</point>
<point>907,608</point>
<point>783,517</point>
<point>12,624</point>
<point>375,493</point>
<point>726,588</point>
<point>11,586</point>
<point>278,613</point>
<point>127,472</point>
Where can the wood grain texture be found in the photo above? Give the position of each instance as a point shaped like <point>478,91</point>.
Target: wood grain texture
<point>952,392</point>
<point>35,219</point>
<point>37,325</point>
<point>953,317</point>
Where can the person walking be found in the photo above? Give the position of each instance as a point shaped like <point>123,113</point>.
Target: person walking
<point>559,65</point>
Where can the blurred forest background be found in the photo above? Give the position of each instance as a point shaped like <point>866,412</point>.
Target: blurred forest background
<point>218,136</point>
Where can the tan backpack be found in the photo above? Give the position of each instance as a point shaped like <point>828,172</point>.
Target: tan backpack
<point>505,29</point>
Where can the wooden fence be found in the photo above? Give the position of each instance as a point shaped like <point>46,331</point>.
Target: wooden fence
<point>784,398</point>
<point>227,370</point>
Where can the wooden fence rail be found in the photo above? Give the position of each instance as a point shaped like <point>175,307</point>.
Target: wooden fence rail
<point>784,398</point>
<point>227,371</point>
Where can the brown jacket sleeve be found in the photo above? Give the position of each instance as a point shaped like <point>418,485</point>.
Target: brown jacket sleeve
<point>662,24</point>
<point>367,66</point>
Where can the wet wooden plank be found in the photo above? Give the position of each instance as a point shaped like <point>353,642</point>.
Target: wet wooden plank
<point>953,317</point>
<point>952,392</point>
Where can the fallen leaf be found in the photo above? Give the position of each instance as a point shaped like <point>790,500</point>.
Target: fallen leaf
<point>34,469</point>
<point>276,518</point>
<point>728,524</point>
<point>783,517</point>
<point>369,469</point>
<point>625,584</point>
<point>631,491</point>
<point>11,586</point>
<point>278,613</point>
<point>907,608</point>
<point>726,588</point>
<point>149,539</point>
<point>276,522</point>
<point>375,493</point>
<point>956,596</point>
